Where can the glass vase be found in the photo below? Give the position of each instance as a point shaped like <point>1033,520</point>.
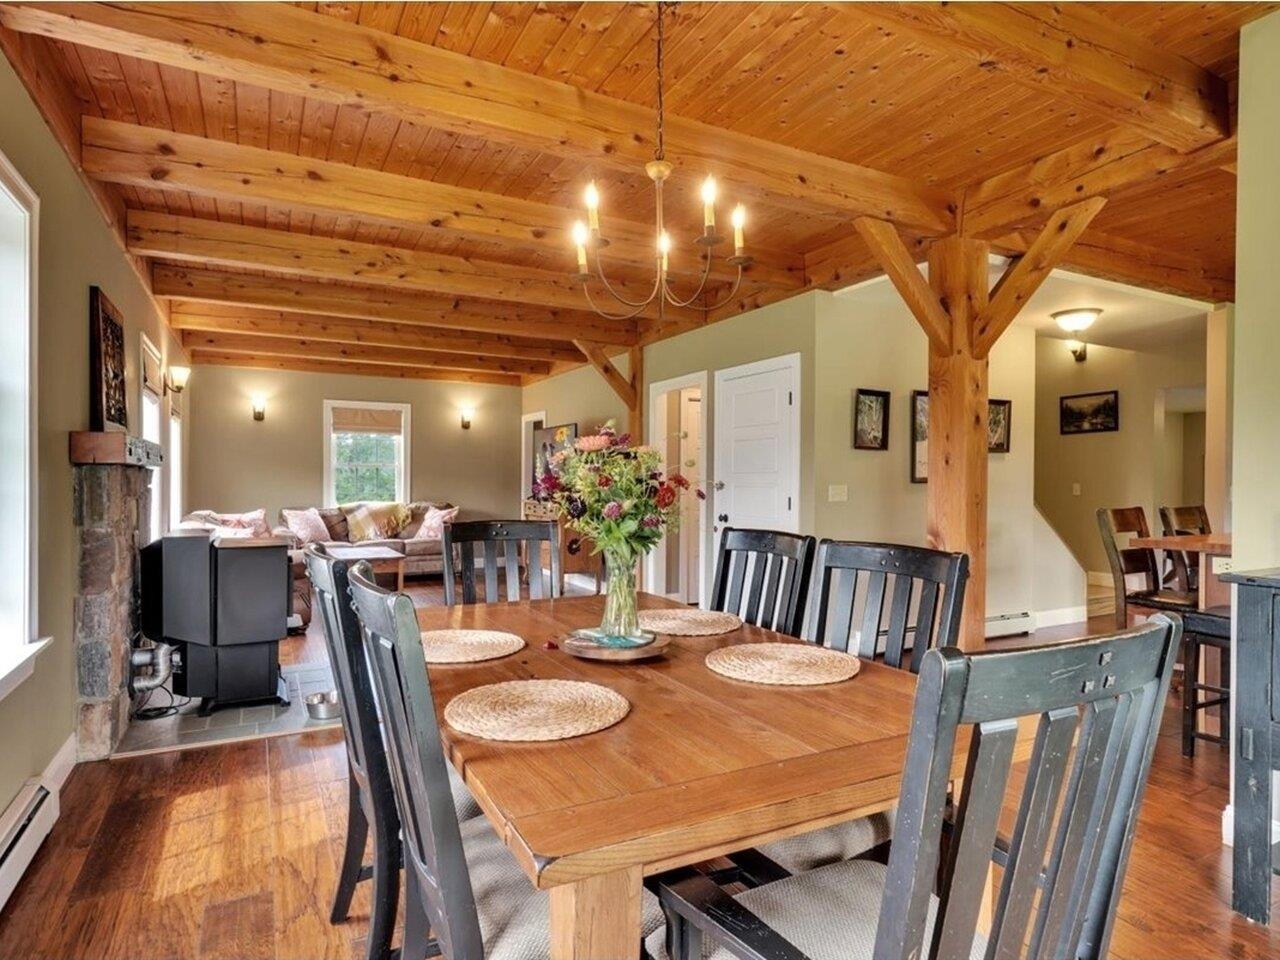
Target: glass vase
<point>621,623</point>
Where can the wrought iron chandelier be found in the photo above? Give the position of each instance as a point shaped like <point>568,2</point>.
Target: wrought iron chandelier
<point>588,239</point>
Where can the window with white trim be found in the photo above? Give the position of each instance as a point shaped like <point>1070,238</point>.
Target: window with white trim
<point>19,224</point>
<point>366,451</point>
<point>152,393</point>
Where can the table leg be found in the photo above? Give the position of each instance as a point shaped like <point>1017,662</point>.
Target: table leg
<point>597,918</point>
<point>399,576</point>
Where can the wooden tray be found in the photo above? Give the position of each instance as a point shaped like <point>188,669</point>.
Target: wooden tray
<point>589,650</point>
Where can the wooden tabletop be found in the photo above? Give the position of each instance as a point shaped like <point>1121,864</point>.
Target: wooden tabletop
<point>356,552</point>
<point>702,764</point>
<point>1214,544</point>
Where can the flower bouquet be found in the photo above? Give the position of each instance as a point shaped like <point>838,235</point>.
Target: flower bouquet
<point>620,497</point>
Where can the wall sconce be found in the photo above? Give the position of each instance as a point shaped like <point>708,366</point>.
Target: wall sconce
<point>467,414</point>
<point>259,408</point>
<point>178,377</point>
<point>1079,349</point>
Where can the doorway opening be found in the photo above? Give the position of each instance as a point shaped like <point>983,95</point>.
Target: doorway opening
<point>529,423</point>
<point>678,428</point>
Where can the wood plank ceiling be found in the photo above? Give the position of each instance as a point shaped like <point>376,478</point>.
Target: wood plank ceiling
<point>387,187</point>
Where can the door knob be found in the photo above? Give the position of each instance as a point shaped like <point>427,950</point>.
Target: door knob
<point>719,485</point>
<point>723,518</point>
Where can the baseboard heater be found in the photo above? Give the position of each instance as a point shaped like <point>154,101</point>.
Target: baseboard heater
<point>23,827</point>
<point>1010,624</point>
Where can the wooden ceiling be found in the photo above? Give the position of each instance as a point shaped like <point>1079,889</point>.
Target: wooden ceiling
<point>387,187</point>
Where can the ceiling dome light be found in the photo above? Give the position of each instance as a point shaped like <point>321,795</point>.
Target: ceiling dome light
<point>1074,321</point>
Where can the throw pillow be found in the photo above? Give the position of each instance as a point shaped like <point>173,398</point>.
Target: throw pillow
<point>255,521</point>
<point>306,525</point>
<point>433,523</point>
<point>374,521</point>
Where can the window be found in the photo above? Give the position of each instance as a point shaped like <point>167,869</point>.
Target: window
<point>19,222</point>
<point>151,429</point>
<point>173,463</point>
<point>366,451</point>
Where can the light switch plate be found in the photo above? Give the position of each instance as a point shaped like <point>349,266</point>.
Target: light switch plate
<point>838,493</point>
<point>1075,489</point>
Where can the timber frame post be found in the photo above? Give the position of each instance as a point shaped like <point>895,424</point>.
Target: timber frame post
<point>963,317</point>
<point>630,390</point>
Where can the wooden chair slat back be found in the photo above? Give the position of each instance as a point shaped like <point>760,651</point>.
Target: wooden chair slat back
<point>763,577</point>
<point>910,599</point>
<point>1116,522</point>
<point>504,537</point>
<point>1096,704</point>
<point>419,770</point>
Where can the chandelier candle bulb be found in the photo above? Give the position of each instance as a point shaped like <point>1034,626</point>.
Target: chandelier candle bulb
<point>593,207</point>
<point>709,204</point>
<point>739,221</point>
<point>580,241</point>
<point>664,248</point>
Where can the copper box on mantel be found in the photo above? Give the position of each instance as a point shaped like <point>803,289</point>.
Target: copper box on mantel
<point>89,446</point>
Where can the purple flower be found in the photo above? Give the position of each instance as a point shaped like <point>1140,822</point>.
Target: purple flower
<point>612,510</point>
<point>575,508</point>
<point>575,547</point>
<point>651,522</point>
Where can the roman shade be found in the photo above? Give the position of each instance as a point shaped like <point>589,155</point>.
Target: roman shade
<point>366,420</point>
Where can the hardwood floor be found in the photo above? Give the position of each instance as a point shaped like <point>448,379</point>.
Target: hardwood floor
<point>231,852</point>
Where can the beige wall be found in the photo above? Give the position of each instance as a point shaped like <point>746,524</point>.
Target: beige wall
<point>580,396</point>
<point>1193,465</point>
<point>1255,505</point>
<point>76,250</point>
<point>237,463</point>
<point>1113,469</point>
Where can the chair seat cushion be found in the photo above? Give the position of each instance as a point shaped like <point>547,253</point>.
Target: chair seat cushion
<point>514,917</point>
<point>830,913</point>
<point>463,801</point>
<point>1162,599</point>
<point>841,841</point>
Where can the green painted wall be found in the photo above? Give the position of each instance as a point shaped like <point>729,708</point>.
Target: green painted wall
<point>76,250</point>
<point>1255,504</point>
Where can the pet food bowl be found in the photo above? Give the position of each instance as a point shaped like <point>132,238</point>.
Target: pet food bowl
<point>323,706</point>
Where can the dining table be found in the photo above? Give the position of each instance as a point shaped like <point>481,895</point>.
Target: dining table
<point>702,765</point>
<point>1213,592</point>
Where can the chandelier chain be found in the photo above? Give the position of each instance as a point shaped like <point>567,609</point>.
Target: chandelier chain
<point>660,152</point>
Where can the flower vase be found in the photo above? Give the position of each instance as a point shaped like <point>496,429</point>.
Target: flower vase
<point>621,624</point>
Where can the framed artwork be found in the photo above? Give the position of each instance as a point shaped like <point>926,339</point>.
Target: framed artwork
<point>1089,412</point>
<point>870,419</point>
<point>919,436</point>
<point>999,413</point>
<point>548,441</point>
<point>108,409</point>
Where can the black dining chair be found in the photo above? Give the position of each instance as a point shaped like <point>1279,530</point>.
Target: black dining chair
<point>1185,564</point>
<point>1096,704</point>
<point>370,799</point>
<point>1126,561</point>
<point>1205,628</point>
<point>778,566</point>
<point>889,602</point>
<point>465,895</point>
<point>506,537</point>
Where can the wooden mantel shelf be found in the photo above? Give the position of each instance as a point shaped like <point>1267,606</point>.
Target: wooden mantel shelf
<point>94,447</point>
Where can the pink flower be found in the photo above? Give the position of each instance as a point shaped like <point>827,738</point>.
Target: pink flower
<point>651,521</point>
<point>593,444</point>
<point>612,510</point>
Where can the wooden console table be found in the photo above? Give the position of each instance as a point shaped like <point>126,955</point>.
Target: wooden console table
<point>581,560</point>
<point>1255,738</point>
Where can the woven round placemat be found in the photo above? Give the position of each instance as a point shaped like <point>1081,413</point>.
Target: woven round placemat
<point>468,646</point>
<point>535,710</point>
<point>689,623</point>
<point>798,664</point>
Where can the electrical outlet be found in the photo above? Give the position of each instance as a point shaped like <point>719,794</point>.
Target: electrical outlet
<point>1223,565</point>
<point>1075,489</point>
<point>838,493</point>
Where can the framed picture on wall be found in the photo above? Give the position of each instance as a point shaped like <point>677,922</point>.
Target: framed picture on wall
<point>108,409</point>
<point>999,413</point>
<point>1089,412</point>
<point>548,441</point>
<point>919,436</point>
<point>870,419</point>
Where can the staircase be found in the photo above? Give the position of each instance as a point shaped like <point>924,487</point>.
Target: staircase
<point>1100,599</point>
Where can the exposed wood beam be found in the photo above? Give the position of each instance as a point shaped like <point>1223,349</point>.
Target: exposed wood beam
<point>217,318</point>
<point>140,156</point>
<point>844,262</point>
<point>1089,168</point>
<point>1024,276</point>
<point>362,353</point>
<point>194,240</point>
<point>1074,53</point>
<point>620,385</point>
<point>897,262</point>
<point>214,358</point>
<point>296,51</point>
<point>636,419</point>
<point>383,303</point>
<point>1125,261</point>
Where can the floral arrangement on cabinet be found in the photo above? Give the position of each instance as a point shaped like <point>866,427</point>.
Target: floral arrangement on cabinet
<point>624,499</point>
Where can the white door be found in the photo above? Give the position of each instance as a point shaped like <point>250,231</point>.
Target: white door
<point>757,445</point>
